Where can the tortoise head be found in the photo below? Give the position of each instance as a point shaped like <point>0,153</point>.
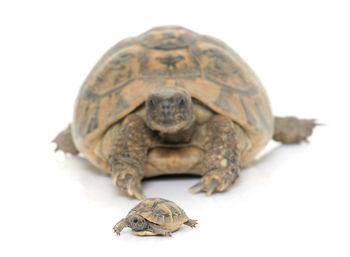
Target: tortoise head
<point>133,221</point>
<point>137,223</point>
<point>169,110</point>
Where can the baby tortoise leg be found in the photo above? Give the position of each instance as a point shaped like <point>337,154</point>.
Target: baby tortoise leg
<point>191,223</point>
<point>158,230</point>
<point>120,226</point>
<point>129,155</point>
<point>222,160</point>
<point>64,142</point>
<point>291,130</point>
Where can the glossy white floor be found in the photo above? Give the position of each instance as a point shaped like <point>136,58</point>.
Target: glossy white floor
<point>293,201</point>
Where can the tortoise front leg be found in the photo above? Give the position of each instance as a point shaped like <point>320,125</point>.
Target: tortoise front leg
<point>120,226</point>
<point>222,160</point>
<point>129,155</point>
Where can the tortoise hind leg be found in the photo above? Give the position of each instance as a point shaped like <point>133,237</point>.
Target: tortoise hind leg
<point>291,130</point>
<point>191,223</point>
<point>158,230</point>
<point>64,142</point>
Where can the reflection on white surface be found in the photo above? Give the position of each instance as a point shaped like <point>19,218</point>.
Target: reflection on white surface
<point>279,201</point>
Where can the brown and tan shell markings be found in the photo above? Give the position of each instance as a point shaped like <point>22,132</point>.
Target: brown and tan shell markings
<point>170,56</point>
<point>161,212</point>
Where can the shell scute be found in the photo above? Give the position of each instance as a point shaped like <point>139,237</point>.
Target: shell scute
<point>169,56</point>
<point>168,38</point>
<point>160,211</point>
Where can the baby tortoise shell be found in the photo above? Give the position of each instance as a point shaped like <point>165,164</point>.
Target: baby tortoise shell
<point>163,217</point>
<point>160,211</point>
<point>205,67</point>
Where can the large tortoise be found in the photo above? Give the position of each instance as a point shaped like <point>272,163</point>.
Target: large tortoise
<point>154,216</point>
<point>172,101</point>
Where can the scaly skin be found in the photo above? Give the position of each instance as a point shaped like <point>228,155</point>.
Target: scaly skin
<point>222,160</point>
<point>128,158</point>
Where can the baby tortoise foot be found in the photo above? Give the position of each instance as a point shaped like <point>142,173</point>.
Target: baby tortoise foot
<point>120,226</point>
<point>129,182</point>
<point>158,230</point>
<point>191,223</point>
<point>215,181</point>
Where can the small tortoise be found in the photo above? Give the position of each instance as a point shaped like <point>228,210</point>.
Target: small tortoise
<point>154,216</point>
<point>172,101</point>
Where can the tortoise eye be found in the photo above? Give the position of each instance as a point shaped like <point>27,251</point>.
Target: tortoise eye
<point>135,221</point>
<point>151,103</point>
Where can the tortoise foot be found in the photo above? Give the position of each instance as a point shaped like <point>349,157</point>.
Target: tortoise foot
<point>291,130</point>
<point>215,181</point>
<point>64,142</point>
<point>129,182</point>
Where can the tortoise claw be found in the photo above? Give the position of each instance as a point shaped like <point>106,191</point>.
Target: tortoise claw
<point>197,187</point>
<point>116,232</point>
<point>138,193</point>
<point>212,187</point>
<point>215,181</point>
<point>130,184</point>
<point>134,187</point>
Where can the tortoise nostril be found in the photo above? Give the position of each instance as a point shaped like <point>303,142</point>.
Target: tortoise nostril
<point>165,107</point>
<point>166,114</point>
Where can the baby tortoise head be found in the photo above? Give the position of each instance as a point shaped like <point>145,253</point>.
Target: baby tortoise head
<point>169,110</point>
<point>135,222</point>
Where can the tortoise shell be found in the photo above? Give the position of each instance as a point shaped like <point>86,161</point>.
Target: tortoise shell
<point>170,56</point>
<point>160,211</point>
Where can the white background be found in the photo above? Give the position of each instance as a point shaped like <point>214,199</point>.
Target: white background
<point>294,201</point>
